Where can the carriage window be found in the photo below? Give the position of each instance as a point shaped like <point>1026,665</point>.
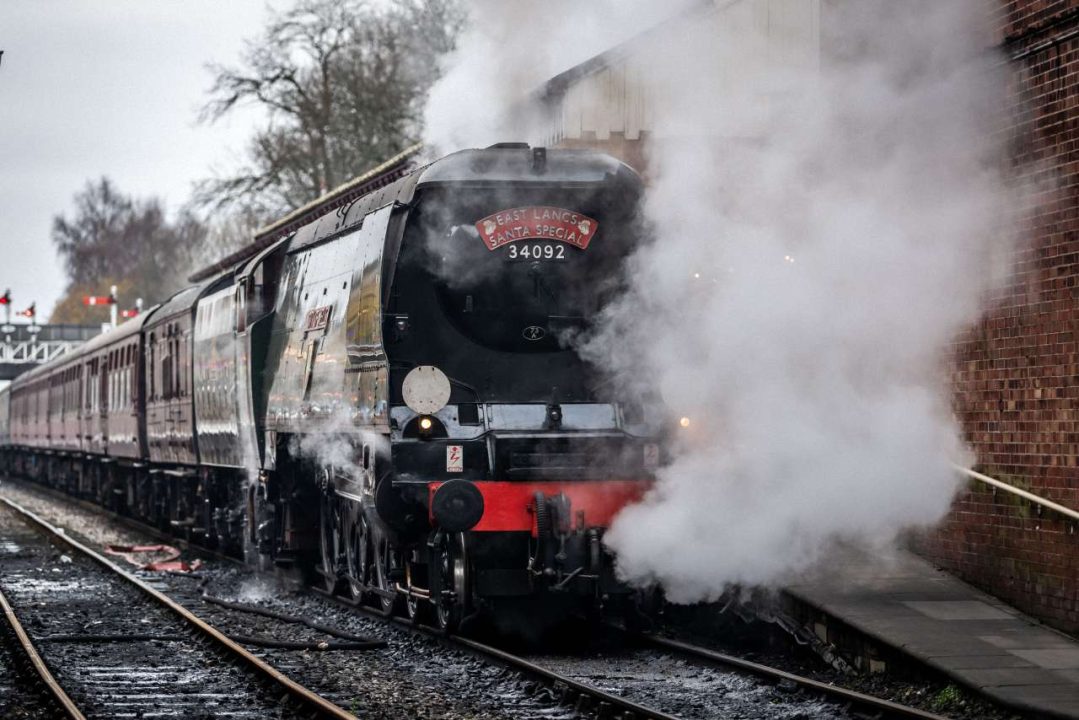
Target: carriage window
<point>151,379</point>
<point>166,377</point>
<point>181,365</point>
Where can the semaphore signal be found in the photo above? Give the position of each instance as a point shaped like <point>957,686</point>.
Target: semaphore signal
<point>98,300</point>
<point>110,300</point>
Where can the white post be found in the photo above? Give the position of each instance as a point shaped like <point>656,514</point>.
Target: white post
<point>112,307</point>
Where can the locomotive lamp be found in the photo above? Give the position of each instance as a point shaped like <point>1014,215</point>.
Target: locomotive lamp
<point>684,422</point>
<point>425,427</point>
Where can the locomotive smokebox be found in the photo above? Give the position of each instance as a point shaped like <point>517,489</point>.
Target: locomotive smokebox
<point>457,505</point>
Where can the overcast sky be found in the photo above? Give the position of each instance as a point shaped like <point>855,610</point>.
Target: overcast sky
<point>105,87</point>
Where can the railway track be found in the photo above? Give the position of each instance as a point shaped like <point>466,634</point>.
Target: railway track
<point>855,702</point>
<point>618,685</point>
<point>604,685</point>
<point>28,689</point>
<point>121,648</point>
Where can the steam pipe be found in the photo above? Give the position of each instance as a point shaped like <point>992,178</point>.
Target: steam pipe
<point>1068,512</point>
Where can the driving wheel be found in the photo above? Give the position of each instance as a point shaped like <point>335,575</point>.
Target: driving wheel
<point>450,582</point>
<point>329,538</point>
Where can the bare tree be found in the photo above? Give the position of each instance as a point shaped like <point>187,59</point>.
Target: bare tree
<point>114,239</point>
<point>342,82</point>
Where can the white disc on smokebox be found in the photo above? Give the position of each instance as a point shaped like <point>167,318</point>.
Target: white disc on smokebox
<point>426,389</point>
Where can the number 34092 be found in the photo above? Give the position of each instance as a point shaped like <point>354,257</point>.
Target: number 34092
<point>536,251</point>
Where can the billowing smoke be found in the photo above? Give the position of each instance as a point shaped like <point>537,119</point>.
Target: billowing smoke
<point>828,210</point>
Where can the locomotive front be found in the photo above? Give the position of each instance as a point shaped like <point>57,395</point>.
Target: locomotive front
<point>516,448</point>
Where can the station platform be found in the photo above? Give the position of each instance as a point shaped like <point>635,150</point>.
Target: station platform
<point>907,605</point>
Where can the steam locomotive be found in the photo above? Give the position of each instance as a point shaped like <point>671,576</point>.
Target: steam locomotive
<point>386,398</point>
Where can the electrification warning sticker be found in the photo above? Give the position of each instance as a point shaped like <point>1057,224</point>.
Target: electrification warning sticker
<point>455,458</point>
<point>537,223</point>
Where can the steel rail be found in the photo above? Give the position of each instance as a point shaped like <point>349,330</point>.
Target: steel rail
<point>1036,499</point>
<point>851,696</point>
<point>838,694</point>
<point>61,697</point>
<point>299,692</point>
<point>601,697</point>
<point>834,692</point>
<point>639,711</point>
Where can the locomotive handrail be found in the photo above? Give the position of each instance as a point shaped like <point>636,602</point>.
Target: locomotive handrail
<point>1038,500</point>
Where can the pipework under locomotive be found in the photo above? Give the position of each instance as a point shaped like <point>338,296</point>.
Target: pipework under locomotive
<point>387,397</point>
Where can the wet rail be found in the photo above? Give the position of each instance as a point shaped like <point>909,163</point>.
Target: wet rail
<point>866,705</point>
<point>602,693</point>
<point>568,691</point>
<point>21,657</point>
<point>547,675</point>
<point>122,648</point>
<point>554,674</point>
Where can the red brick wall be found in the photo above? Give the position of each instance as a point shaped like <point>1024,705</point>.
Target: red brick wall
<point>1017,373</point>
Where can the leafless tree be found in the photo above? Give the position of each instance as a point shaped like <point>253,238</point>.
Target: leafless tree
<point>114,239</point>
<point>342,83</point>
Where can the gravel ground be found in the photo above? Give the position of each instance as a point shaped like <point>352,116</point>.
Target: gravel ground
<point>418,677</point>
<point>23,696</point>
<point>706,625</point>
<point>686,689</point>
<point>413,677</point>
<point>115,652</point>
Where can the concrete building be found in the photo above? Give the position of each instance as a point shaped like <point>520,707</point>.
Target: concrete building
<point>606,103</point>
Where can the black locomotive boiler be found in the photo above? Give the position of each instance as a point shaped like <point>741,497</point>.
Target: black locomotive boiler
<point>387,397</point>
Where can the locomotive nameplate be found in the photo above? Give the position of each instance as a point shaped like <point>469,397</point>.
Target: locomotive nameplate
<point>537,223</point>
<point>317,319</point>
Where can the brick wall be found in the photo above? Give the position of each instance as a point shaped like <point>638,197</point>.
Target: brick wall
<point>1017,372</point>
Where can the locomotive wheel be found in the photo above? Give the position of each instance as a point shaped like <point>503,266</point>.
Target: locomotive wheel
<point>329,538</point>
<point>388,598</point>
<point>358,557</point>
<point>416,607</point>
<point>450,582</point>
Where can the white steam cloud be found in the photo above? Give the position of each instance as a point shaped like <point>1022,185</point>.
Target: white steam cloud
<point>829,209</point>
<point>508,50</point>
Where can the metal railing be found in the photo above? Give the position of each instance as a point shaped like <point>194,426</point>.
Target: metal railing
<point>34,352</point>
<point>1037,500</point>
